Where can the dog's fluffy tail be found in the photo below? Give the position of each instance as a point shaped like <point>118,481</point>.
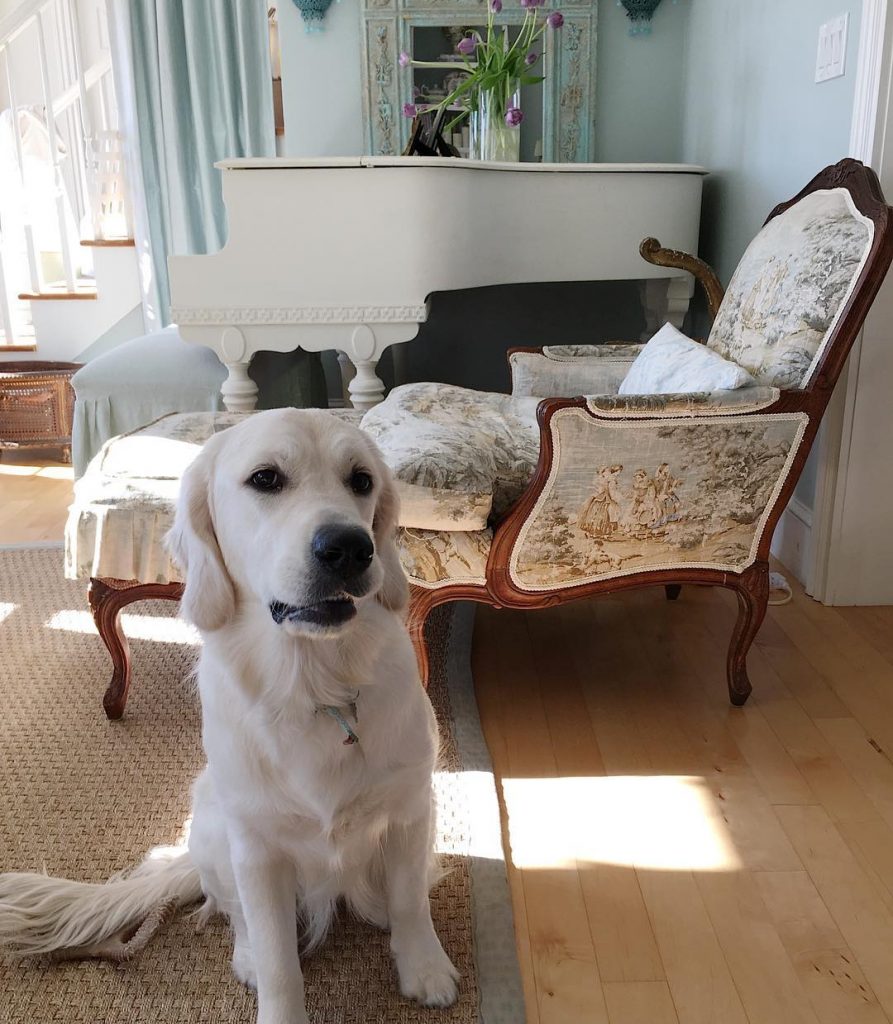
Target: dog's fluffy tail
<point>40,914</point>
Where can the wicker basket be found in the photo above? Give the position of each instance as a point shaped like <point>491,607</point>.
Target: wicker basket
<point>36,405</point>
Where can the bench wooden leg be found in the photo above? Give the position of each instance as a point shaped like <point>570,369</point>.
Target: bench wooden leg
<point>107,598</point>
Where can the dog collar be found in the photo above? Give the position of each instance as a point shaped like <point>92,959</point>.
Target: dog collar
<point>337,713</point>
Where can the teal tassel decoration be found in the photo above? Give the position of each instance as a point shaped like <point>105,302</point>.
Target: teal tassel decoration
<point>313,12</point>
<point>640,13</point>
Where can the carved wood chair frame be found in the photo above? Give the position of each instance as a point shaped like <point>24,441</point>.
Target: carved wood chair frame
<point>752,584</point>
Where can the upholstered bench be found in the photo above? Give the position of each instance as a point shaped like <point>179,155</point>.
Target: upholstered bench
<point>124,505</point>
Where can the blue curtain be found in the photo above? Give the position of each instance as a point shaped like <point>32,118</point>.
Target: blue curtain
<point>201,86</point>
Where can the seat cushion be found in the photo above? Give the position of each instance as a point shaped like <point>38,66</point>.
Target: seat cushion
<point>672,364</point>
<point>791,288</point>
<point>124,503</point>
<point>458,455</point>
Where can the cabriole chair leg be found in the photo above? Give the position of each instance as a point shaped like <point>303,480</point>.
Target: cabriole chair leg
<point>752,590</point>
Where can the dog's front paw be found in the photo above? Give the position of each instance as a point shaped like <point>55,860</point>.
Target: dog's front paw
<point>429,977</point>
<point>243,966</point>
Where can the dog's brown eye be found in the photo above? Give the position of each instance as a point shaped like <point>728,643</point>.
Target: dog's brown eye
<point>265,480</point>
<point>360,482</point>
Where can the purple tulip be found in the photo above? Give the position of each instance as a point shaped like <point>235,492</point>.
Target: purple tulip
<point>410,110</point>
<point>531,59</point>
<point>404,59</point>
<point>555,19</point>
<point>466,46</point>
<point>527,3</point>
<point>496,6</point>
<point>513,117</point>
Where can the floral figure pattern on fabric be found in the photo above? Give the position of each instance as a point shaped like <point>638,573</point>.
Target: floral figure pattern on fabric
<point>435,558</point>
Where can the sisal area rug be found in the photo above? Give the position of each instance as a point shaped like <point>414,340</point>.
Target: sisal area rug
<point>84,798</point>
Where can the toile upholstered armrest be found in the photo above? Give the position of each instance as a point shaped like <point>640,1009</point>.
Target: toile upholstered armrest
<point>625,487</point>
<point>690,404</point>
<point>564,371</point>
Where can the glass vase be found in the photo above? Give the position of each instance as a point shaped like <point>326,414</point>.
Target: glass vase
<point>491,137</point>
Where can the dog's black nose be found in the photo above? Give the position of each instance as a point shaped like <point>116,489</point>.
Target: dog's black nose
<point>345,551</point>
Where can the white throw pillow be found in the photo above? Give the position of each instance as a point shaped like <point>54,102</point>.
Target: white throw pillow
<point>672,364</point>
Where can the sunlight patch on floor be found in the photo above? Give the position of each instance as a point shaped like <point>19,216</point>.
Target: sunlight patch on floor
<point>60,472</point>
<point>136,627</point>
<point>660,823</point>
<point>55,473</point>
<point>6,609</point>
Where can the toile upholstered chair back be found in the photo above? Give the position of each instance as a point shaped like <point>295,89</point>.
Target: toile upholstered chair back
<point>643,489</point>
<point>792,286</point>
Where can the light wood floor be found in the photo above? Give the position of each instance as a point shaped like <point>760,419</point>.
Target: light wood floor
<point>679,859</point>
<point>35,493</point>
<point>676,859</point>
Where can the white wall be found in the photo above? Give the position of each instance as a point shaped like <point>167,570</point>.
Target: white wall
<point>859,564</point>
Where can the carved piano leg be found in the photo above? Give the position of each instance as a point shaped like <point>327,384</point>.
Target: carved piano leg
<point>348,372</point>
<point>364,349</point>
<point>654,305</point>
<point>366,388</point>
<point>665,300</point>
<point>679,295</point>
<point>238,390</point>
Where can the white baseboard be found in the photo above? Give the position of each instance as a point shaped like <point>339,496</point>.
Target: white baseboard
<point>791,546</point>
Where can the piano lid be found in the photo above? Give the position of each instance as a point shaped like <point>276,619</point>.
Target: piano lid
<point>334,163</point>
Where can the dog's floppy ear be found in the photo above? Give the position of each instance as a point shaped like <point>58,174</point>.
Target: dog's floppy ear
<point>394,592</point>
<point>208,600</point>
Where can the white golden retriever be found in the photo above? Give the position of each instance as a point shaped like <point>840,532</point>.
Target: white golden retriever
<point>320,740</point>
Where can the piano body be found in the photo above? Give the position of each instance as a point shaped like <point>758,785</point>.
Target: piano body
<point>343,253</point>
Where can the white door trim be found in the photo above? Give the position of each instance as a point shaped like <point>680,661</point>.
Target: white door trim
<point>823,560</point>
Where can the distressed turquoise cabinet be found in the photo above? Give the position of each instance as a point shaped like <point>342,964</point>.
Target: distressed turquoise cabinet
<point>568,93</point>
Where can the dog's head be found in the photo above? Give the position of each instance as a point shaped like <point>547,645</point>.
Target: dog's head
<point>292,509</point>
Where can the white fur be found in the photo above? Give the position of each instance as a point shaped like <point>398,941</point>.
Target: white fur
<point>284,809</point>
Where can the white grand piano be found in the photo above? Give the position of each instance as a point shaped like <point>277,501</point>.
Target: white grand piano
<point>344,253</point>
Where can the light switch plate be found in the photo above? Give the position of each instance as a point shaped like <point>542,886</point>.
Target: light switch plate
<point>831,59</point>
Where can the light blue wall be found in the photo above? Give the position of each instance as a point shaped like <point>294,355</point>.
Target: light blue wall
<point>640,82</point>
<point>321,82</point>
<point>754,115</point>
